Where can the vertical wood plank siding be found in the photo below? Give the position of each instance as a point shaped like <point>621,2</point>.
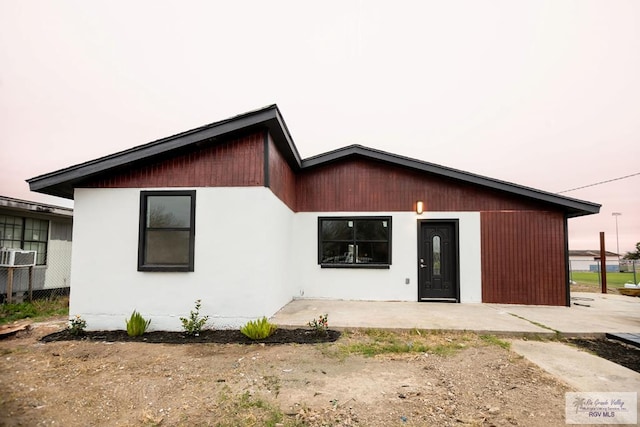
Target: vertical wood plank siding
<point>282,178</point>
<point>363,185</point>
<point>238,162</point>
<point>523,257</point>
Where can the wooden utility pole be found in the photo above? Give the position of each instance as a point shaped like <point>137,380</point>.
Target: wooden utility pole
<point>9,284</point>
<point>30,283</point>
<point>603,263</point>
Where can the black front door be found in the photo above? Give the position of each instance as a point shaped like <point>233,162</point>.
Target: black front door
<point>438,261</point>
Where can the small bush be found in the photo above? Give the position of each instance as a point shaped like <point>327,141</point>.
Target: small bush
<point>258,329</point>
<point>137,325</point>
<point>321,325</point>
<point>77,325</point>
<point>194,324</point>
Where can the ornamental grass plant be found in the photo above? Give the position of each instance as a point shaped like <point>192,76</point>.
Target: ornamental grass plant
<point>136,324</point>
<point>258,329</point>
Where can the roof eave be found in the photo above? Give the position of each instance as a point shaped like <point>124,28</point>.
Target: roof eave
<point>35,207</point>
<point>61,183</point>
<point>573,207</point>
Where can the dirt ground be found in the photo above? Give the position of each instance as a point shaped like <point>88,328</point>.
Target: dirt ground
<point>583,287</point>
<point>460,379</point>
<point>615,351</point>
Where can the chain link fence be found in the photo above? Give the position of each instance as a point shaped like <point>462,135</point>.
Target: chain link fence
<point>38,294</point>
<point>49,280</point>
<point>628,265</point>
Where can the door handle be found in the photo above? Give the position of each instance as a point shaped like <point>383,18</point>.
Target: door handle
<point>422,263</point>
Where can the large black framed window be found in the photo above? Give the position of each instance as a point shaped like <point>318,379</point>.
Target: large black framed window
<point>25,233</point>
<point>167,230</point>
<point>363,242</point>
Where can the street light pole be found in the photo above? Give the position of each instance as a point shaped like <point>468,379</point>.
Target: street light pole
<point>616,215</point>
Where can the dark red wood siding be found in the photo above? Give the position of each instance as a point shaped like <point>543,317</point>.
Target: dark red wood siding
<point>282,179</point>
<point>364,185</point>
<point>238,162</point>
<point>523,258</point>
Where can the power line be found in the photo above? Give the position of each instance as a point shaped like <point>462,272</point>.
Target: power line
<point>599,183</point>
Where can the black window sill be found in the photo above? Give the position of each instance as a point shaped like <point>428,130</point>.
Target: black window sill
<point>168,268</point>
<point>368,266</point>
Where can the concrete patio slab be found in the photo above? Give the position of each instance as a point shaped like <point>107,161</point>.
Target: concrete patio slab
<point>405,315</point>
<point>596,314</point>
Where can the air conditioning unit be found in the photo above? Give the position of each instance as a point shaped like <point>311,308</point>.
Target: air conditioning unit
<point>17,258</point>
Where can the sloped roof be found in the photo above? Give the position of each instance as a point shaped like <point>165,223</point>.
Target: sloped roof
<point>591,253</point>
<point>20,205</point>
<point>61,183</point>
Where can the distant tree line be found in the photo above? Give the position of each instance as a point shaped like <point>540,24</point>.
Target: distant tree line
<point>633,254</point>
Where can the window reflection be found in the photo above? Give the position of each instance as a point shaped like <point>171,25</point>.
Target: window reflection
<point>436,255</point>
<point>355,240</point>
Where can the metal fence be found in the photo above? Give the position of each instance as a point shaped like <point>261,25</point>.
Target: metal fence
<point>46,280</point>
<point>613,265</point>
<point>37,294</point>
<point>19,280</point>
<point>628,265</point>
<point>632,267</point>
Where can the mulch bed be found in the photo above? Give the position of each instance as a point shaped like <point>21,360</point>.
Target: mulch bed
<point>612,350</point>
<point>615,351</point>
<point>222,336</point>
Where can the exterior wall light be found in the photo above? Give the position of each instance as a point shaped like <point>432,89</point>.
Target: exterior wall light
<point>419,207</point>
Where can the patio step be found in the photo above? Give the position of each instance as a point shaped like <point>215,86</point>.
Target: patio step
<point>631,339</point>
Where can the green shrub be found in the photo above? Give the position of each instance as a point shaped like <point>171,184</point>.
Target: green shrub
<point>258,329</point>
<point>321,325</point>
<point>194,324</point>
<point>77,325</point>
<point>137,325</point>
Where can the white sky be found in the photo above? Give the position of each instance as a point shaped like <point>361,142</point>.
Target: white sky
<point>541,93</point>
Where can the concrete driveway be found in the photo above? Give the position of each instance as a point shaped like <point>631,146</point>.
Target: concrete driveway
<point>596,314</point>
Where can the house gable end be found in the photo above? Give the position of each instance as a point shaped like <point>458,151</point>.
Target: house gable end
<point>573,207</point>
<point>359,183</point>
<point>235,162</point>
<point>62,182</point>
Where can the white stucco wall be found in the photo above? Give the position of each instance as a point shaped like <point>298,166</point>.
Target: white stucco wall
<point>241,254</point>
<point>252,256</point>
<point>383,284</point>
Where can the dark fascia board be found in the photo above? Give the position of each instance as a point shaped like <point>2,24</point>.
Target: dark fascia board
<point>573,207</point>
<point>23,206</point>
<point>61,183</point>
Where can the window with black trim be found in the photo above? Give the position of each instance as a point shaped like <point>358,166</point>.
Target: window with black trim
<point>25,233</point>
<point>167,230</point>
<point>354,242</point>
